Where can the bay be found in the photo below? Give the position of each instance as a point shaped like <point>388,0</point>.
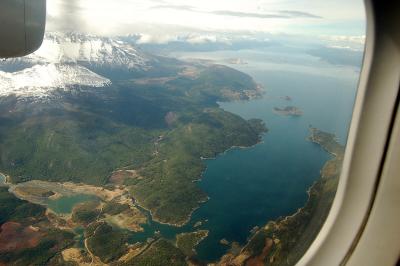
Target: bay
<point>251,186</point>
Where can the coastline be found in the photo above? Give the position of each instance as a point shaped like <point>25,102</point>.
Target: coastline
<point>310,138</point>
<point>181,224</point>
<point>320,196</point>
<point>107,195</point>
<point>200,236</point>
<point>189,216</point>
<point>233,148</point>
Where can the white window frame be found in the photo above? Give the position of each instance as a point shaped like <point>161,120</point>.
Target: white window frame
<point>363,226</point>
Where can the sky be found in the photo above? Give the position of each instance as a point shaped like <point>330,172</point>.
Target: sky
<point>161,21</point>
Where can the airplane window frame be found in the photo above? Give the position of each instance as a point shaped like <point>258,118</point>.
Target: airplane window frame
<point>369,168</point>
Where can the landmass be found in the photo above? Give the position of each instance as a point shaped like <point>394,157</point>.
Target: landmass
<point>284,241</point>
<point>288,111</point>
<point>135,140</point>
<point>85,137</point>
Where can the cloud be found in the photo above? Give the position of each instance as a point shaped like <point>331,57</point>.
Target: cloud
<point>157,39</point>
<point>65,15</point>
<point>285,14</point>
<point>176,7</point>
<point>298,14</point>
<point>177,17</point>
<point>198,38</point>
<point>247,14</point>
<point>158,1</point>
<point>355,43</point>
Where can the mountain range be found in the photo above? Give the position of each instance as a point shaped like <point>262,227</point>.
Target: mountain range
<point>65,60</point>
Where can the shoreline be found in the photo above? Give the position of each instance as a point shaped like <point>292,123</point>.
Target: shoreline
<point>284,218</point>
<point>102,193</point>
<point>312,139</point>
<point>281,221</point>
<point>232,148</point>
<point>189,217</point>
<point>155,219</point>
<point>198,241</point>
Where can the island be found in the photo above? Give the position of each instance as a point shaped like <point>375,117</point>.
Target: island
<point>224,242</point>
<point>288,111</point>
<point>286,98</point>
<point>236,61</point>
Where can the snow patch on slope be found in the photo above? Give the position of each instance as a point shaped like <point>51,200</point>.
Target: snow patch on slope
<point>42,80</point>
<point>67,59</point>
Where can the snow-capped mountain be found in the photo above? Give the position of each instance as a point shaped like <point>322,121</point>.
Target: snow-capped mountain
<point>79,48</point>
<point>66,60</point>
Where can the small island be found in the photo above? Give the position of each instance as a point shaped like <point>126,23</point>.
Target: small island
<point>286,98</point>
<point>224,242</point>
<point>198,224</point>
<point>236,61</point>
<point>288,111</point>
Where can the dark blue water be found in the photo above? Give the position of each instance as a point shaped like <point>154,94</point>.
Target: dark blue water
<point>249,187</point>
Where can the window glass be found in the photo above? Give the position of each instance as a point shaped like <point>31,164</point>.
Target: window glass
<point>176,132</point>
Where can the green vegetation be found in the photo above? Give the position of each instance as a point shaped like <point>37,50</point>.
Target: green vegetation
<point>160,253</point>
<point>167,187</point>
<point>105,242</point>
<point>63,149</point>
<point>188,241</point>
<point>14,209</point>
<point>85,135</point>
<point>294,235</point>
<point>55,241</point>
<point>327,141</point>
<point>161,130</point>
<point>86,212</point>
<point>23,214</point>
<point>215,83</point>
<point>114,208</point>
